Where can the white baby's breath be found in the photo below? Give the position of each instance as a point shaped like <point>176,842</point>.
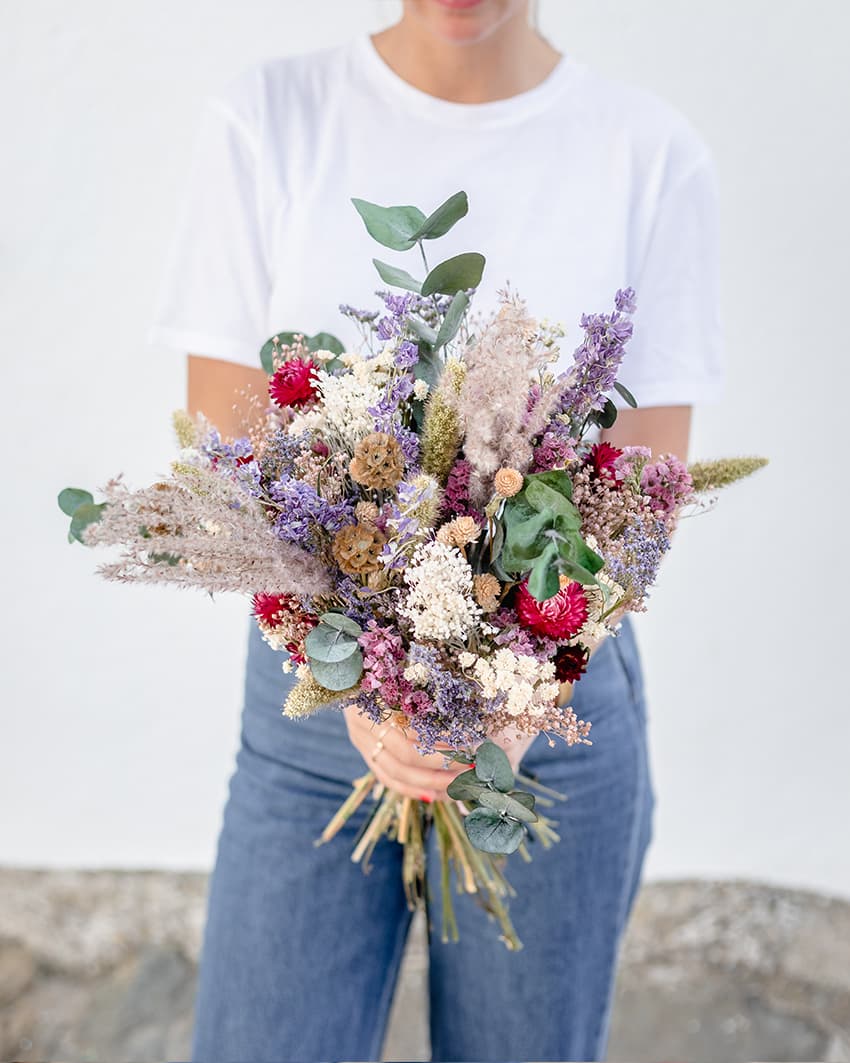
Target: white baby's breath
<point>439,602</point>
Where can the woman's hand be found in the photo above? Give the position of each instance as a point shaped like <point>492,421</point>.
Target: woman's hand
<point>392,756</point>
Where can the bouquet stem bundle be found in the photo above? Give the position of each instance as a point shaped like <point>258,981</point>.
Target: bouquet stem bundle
<point>408,821</point>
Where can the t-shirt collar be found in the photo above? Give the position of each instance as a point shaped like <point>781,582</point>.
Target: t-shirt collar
<point>370,64</point>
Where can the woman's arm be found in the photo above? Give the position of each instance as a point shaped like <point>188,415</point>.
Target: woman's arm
<point>226,393</point>
<point>664,429</point>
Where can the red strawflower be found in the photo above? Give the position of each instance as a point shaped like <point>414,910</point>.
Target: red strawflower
<point>294,383</point>
<point>558,617</point>
<point>602,457</point>
<point>570,663</point>
<point>270,608</point>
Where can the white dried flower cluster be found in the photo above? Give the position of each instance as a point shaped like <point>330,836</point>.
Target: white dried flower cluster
<point>529,686</point>
<point>420,390</point>
<point>439,603</point>
<point>416,673</point>
<point>343,415</point>
<point>374,368</point>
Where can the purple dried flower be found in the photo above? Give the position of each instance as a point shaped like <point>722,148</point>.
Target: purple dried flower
<point>597,361</point>
<point>456,500</point>
<point>305,513</point>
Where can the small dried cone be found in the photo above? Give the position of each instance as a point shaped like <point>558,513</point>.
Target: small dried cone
<point>507,482</point>
<point>486,589</point>
<point>459,532</point>
<point>367,513</point>
<point>356,548</point>
<point>378,461</point>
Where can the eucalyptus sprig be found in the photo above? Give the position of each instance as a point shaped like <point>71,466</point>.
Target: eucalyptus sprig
<point>401,228</point>
<point>498,814</point>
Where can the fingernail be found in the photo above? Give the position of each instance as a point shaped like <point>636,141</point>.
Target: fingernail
<point>426,799</point>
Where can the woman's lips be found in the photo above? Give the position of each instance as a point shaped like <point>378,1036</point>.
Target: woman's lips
<point>460,4</point>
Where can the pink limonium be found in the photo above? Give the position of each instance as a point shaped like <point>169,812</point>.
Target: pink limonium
<point>667,483</point>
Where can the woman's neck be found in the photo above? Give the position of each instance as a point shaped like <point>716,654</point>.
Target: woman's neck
<point>511,60</point>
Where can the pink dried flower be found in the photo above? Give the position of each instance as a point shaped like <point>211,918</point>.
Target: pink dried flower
<point>668,484</point>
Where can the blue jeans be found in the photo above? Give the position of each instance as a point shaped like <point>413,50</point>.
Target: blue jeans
<point>301,950</point>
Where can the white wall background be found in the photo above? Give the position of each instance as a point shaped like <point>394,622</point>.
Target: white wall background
<point>120,706</point>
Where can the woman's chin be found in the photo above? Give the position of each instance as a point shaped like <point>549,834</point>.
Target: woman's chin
<point>464,21</point>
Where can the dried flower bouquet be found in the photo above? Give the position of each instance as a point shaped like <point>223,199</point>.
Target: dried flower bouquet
<point>425,529</point>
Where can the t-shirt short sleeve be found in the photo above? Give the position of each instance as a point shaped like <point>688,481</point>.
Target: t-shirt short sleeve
<point>675,356</point>
<point>214,291</point>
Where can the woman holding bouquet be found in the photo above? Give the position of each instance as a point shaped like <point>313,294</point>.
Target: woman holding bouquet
<point>579,186</point>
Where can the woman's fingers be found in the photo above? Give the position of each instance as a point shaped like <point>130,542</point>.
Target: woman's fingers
<point>393,758</point>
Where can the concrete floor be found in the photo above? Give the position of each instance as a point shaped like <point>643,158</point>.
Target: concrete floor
<point>101,966</point>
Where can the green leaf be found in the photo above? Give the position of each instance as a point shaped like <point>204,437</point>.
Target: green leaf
<point>524,538</point>
<point>342,623</point>
<point>72,497</point>
<point>492,766</point>
<point>455,274</point>
<point>605,417</point>
<point>466,787</point>
<point>626,394</point>
<point>544,579</point>
<point>391,226</point>
<point>505,805</point>
<point>429,367</point>
<point>267,357</point>
<point>322,341</point>
<point>490,833</point>
<point>399,278</point>
<point>452,321</point>
<point>329,644</point>
<point>423,331</point>
<point>325,341</point>
<point>524,798</point>
<point>83,516</point>
<point>443,218</point>
<point>337,675</point>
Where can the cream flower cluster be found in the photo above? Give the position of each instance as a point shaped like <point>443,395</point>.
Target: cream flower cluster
<point>439,603</point>
<point>528,685</point>
<point>343,413</point>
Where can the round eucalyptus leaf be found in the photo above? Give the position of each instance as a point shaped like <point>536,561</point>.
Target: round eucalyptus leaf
<point>391,226</point>
<point>524,798</point>
<point>626,394</point>
<point>455,274</point>
<point>490,833</point>
<point>329,644</point>
<point>505,805</point>
<point>398,278</point>
<point>342,623</point>
<point>443,218</point>
<point>492,766</point>
<point>466,787</point>
<point>338,675</point>
<point>85,515</point>
<point>451,322</point>
<point>72,497</point>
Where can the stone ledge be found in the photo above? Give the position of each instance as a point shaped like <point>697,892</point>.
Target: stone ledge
<point>100,965</point>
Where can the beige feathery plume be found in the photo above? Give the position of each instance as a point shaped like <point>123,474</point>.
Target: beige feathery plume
<point>712,475</point>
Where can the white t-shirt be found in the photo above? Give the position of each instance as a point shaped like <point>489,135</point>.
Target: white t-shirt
<point>577,187</point>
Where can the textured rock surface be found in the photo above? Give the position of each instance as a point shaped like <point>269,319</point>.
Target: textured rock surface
<point>101,966</point>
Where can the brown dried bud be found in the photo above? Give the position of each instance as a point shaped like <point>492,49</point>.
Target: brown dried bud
<point>377,581</point>
<point>366,513</point>
<point>486,589</point>
<point>459,532</point>
<point>507,482</point>
<point>378,461</point>
<point>356,548</point>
